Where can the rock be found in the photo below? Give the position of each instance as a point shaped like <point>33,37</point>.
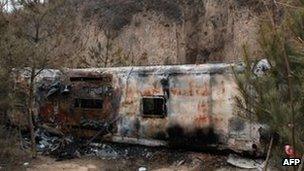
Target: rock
<point>244,163</point>
<point>181,162</point>
<point>142,169</point>
<point>261,67</point>
<point>149,155</point>
<point>91,167</point>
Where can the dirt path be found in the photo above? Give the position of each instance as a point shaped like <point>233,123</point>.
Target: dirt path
<point>117,157</point>
<point>158,160</point>
<point>94,164</point>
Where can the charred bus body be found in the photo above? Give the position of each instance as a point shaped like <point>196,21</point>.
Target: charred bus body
<point>182,105</point>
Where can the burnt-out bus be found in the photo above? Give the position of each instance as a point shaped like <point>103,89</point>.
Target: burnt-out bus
<point>179,105</point>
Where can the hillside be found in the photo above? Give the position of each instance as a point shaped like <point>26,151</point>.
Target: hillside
<point>144,32</point>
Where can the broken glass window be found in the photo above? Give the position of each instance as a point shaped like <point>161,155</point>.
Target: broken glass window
<point>154,106</point>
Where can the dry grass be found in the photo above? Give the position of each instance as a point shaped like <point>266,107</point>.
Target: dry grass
<point>11,153</point>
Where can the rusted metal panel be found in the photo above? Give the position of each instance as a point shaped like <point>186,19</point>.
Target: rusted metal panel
<point>197,100</point>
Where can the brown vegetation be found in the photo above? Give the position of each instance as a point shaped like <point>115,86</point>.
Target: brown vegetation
<point>76,33</point>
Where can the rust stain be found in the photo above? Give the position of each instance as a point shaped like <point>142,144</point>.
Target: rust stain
<point>129,96</point>
<point>203,108</point>
<point>202,120</point>
<point>151,92</point>
<point>223,86</point>
<point>218,120</point>
<point>107,106</point>
<point>46,110</point>
<point>190,92</point>
<point>62,118</point>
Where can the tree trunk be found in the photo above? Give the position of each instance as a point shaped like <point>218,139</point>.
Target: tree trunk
<point>107,53</point>
<point>291,103</point>
<point>30,113</point>
<point>268,154</point>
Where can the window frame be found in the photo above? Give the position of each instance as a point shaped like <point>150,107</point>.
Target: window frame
<point>164,110</point>
<point>87,108</point>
